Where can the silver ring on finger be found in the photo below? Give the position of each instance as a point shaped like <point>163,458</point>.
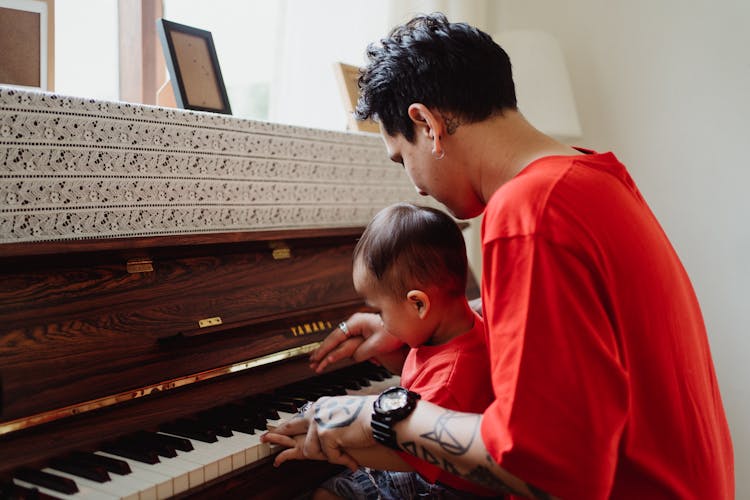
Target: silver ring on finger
<point>344,328</point>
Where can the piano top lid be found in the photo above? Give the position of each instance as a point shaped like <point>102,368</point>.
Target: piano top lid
<point>76,169</point>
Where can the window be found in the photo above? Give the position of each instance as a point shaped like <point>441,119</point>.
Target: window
<point>277,57</point>
<point>86,53</point>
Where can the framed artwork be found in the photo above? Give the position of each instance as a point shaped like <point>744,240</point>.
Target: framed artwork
<point>347,76</point>
<point>27,43</point>
<point>193,67</point>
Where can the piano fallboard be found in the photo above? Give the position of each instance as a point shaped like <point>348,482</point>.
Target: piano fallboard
<point>79,325</point>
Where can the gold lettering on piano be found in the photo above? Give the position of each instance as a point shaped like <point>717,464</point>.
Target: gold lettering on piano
<point>142,265</point>
<point>310,328</point>
<point>280,250</point>
<point>216,320</point>
<point>95,404</point>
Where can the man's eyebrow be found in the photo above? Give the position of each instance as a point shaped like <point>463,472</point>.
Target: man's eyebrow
<point>397,159</point>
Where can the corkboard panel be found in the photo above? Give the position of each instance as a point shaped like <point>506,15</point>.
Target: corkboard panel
<point>27,43</point>
<point>20,47</point>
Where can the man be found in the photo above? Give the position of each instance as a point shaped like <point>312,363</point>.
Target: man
<point>603,378</point>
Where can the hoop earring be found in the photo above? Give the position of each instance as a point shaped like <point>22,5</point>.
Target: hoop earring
<point>442,155</point>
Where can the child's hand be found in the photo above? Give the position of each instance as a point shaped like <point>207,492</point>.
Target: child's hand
<point>294,445</point>
<point>361,337</point>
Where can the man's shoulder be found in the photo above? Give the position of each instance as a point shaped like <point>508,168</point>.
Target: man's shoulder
<point>522,205</point>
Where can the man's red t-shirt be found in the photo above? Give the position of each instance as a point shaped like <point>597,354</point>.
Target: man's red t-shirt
<point>456,376</point>
<point>604,382</point>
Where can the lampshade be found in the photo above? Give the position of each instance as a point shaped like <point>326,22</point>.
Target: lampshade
<point>543,89</point>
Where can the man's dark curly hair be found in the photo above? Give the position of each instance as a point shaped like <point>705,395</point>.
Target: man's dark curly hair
<point>453,67</point>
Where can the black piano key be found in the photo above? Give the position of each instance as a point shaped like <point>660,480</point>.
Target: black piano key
<point>299,392</point>
<point>234,417</point>
<point>375,375</point>
<point>329,387</point>
<point>11,491</point>
<point>302,393</point>
<point>119,467</point>
<point>114,465</point>
<point>357,374</point>
<point>383,371</point>
<point>81,469</point>
<point>47,480</point>
<point>151,442</point>
<point>260,404</point>
<point>343,380</point>
<point>215,423</point>
<point>282,402</point>
<point>175,442</point>
<point>133,451</point>
<point>190,429</point>
<point>258,416</point>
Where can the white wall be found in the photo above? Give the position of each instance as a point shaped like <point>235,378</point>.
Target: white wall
<point>666,86</point>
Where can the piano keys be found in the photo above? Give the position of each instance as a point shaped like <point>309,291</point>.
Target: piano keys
<point>183,455</point>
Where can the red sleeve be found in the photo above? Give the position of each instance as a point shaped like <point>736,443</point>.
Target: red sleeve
<point>561,391</point>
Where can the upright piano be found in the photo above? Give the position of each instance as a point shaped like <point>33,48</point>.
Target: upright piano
<point>163,276</point>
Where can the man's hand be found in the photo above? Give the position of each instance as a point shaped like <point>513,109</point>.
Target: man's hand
<point>331,426</point>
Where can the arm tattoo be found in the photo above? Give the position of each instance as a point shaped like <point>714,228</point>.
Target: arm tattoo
<point>447,435</point>
<point>446,438</point>
<point>338,412</point>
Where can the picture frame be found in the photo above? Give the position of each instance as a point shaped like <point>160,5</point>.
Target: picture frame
<point>347,76</point>
<point>27,43</point>
<point>193,67</point>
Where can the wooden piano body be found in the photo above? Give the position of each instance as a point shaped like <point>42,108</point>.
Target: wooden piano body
<point>155,263</point>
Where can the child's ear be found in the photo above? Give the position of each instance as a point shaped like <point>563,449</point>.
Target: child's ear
<point>419,301</point>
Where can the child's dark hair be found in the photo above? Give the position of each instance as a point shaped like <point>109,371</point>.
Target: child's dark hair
<point>407,246</point>
<point>453,67</point>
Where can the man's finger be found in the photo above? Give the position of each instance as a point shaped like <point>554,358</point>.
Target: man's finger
<point>311,447</point>
<point>292,427</point>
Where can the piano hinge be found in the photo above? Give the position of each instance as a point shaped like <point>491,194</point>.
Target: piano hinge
<point>280,250</point>
<point>216,320</point>
<point>141,265</point>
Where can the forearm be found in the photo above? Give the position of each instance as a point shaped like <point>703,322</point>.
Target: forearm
<point>379,457</point>
<point>454,439</point>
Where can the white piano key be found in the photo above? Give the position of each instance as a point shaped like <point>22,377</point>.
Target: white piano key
<point>196,475</point>
<point>84,492</point>
<point>161,482</point>
<point>115,487</point>
<point>234,447</point>
<point>253,451</point>
<point>170,468</point>
<point>209,457</point>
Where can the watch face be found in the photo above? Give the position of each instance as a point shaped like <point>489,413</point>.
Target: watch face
<point>394,400</point>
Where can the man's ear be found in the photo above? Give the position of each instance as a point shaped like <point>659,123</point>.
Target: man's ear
<point>430,123</point>
<point>419,301</point>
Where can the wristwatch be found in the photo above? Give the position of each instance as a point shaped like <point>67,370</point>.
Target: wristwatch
<point>392,405</point>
